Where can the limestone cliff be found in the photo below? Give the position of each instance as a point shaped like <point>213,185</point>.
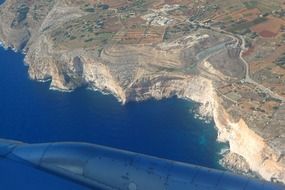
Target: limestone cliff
<point>142,70</point>
<point>243,141</point>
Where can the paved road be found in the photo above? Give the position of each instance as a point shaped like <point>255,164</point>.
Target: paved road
<point>241,42</point>
<point>248,79</point>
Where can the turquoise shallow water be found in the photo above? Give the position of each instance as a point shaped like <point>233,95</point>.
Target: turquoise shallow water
<point>30,112</point>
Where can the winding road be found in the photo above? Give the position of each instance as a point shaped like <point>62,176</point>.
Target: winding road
<point>248,79</point>
<point>241,42</point>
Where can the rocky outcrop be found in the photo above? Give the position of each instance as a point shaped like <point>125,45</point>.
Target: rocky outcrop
<point>236,163</point>
<point>243,141</point>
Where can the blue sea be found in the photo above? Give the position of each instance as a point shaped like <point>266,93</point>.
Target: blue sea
<point>32,113</point>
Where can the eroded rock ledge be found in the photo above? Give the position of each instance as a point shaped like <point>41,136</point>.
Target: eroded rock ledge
<point>136,72</point>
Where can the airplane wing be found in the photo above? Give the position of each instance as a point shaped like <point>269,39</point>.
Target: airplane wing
<point>113,169</point>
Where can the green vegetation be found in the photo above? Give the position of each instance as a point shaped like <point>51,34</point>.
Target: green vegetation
<point>40,8</point>
<point>248,43</point>
<point>103,37</point>
<point>82,32</point>
<point>250,4</point>
<point>281,61</point>
<point>137,6</point>
<point>89,40</point>
<point>248,14</point>
<point>268,6</point>
<point>72,38</point>
<point>22,12</point>
<point>228,18</point>
<point>89,9</point>
<point>176,31</point>
<point>243,27</point>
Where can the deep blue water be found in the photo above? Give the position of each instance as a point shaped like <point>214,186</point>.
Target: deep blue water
<point>30,112</point>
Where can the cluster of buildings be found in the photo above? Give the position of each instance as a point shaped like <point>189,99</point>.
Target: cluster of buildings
<point>156,19</point>
<point>159,16</point>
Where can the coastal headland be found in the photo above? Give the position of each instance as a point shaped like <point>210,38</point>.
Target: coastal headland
<point>141,49</point>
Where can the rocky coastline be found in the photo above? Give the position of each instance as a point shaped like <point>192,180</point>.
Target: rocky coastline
<point>138,72</point>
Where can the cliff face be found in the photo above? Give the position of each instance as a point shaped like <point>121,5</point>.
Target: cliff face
<point>243,141</point>
<point>136,72</point>
<point>135,81</point>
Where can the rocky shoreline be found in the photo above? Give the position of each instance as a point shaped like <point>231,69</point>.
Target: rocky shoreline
<point>200,90</point>
<point>137,72</point>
